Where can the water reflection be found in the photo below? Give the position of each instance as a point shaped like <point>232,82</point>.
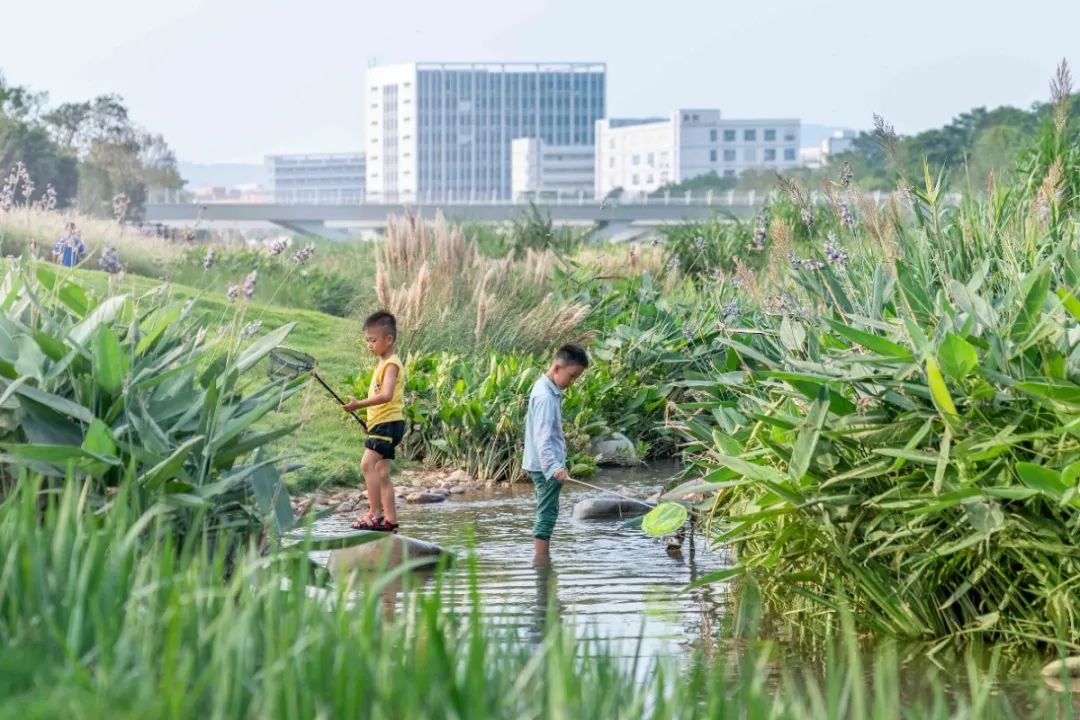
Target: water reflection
<point>548,609</point>
<point>602,580</point>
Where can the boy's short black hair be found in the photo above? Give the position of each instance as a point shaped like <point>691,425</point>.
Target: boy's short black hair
<point>384,321</point>
<point>571,354</point>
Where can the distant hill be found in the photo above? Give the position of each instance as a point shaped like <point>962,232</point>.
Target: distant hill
<point>222,174</point>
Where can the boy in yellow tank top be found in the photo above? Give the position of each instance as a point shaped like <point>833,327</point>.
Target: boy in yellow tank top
<point>385,420</point>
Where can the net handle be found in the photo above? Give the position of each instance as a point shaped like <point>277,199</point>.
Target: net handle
<point>306,363</point>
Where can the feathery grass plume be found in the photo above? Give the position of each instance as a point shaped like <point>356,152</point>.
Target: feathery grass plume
<point>886,136</point>
<point>382,285</point>
<point>419,291</point>
<point>878,222</point>
<point>120,203</point>
<point>1048,198</point>
<point>1061,91</point>
<point>746,280</point>
<point>789,186</point>
<point>437,269</point>
<point>483,304</point>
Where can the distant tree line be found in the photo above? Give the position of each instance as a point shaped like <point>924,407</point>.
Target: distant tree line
<point>971,146</point>
<point>89,152</point>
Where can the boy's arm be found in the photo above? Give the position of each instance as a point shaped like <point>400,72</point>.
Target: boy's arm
<point>547,418</point>
<point>390,376</point>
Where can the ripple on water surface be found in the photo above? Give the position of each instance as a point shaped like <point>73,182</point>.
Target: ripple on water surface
<point>609,582</point>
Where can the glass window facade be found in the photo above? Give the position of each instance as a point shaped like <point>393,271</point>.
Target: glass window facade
<point>467,117</point>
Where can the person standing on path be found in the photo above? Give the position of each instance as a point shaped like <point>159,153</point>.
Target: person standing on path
<point>69,249</point>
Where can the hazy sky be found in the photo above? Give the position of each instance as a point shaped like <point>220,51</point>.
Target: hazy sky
<point>232,80</point>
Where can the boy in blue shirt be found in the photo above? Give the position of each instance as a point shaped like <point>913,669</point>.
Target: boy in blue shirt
<point>69,249</point>
<point>545,444</point>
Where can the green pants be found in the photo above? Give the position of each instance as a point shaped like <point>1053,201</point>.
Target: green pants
<point>547,505</point>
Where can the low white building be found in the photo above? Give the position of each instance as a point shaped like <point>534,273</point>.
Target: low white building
<point>540,170</point>
<point>840,141</point>
<point>641,156</point>
<point>329,178</point>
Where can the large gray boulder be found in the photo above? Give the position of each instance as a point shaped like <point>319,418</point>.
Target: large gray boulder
<point>615,449</point>
<point>609,508</point>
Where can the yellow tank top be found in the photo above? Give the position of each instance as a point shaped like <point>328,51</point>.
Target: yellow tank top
<point>395,409</point>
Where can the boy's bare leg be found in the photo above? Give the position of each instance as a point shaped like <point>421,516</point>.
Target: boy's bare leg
<point>389,501</point>
<point>369,465</point>
<point>542,550</point>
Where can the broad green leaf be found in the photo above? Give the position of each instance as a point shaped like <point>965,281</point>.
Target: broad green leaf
<point>913,292</point>
<point>262,347</point>
<point>1034,301</point>
<point>803,452</point>
<point>31,361</point>
<point>943,460</point>
<point>155,325</point>
<point>940,393</point>
<point>99,439</point>
<point>75,298</point>
<point>103,314</point>
<point>957,357</point>
<point>874,343</point>
<point>55,454</point>
<point>170,467</point>
<point>272,495</point>
<point>792,335</point>
<point>1069,301</point>
<point>57,403</point>
<point>1042,479</point>
<point>1061,391</point>
<point>110,364</point>
<point>663,519</point>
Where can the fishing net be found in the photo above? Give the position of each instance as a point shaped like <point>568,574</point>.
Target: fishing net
<point>288,363</point>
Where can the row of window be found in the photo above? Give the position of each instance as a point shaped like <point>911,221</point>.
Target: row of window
<point>749,135</point>
<point>731,135</point>
<point>750,155</point>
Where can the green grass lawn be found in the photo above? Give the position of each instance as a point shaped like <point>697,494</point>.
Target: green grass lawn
<point>327,442</point>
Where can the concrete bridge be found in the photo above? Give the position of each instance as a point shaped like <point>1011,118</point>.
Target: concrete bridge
<point>612,220</point>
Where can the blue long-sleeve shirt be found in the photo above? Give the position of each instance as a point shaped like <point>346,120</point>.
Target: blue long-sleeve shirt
<point>545,444</point>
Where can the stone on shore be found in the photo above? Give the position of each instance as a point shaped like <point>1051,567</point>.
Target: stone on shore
<point>616,449</point>
<point>424,498</point>
<point>609,508</point>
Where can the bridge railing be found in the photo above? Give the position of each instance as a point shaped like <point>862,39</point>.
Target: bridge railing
<point>710,198</point>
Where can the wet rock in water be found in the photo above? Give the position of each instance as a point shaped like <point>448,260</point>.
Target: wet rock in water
<point>459,477</point>
<point>424,498</point>
<point>388,550</point>
<point>616,449</point>
<point>609,508</point>
<point>459,490</point>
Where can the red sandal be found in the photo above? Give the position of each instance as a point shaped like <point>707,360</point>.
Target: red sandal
<point>367,521</point>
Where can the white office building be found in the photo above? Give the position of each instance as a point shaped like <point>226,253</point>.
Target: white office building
<point>641,156</point>
<point>840,141</point>
<point>542,171</point>
<point>442,132</point>
<point>331,178</point>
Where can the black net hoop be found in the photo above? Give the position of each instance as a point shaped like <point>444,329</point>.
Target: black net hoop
<point>288,363</point>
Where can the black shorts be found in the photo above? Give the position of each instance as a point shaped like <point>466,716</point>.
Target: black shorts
<point>384,437</point>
